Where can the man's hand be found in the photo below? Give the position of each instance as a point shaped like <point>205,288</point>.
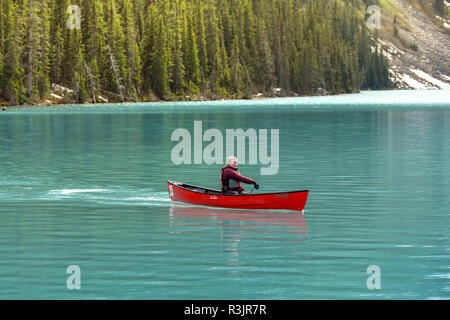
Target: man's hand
<point>256,186</point>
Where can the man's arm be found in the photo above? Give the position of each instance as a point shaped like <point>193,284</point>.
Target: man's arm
<point>238,177</point>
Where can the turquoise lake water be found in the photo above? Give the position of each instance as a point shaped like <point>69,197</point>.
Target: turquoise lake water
<point>86,186</point>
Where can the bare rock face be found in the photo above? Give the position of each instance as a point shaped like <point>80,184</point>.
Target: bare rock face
<point>426,64</point>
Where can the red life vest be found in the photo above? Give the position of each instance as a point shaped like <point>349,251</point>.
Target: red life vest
<point>230,183</point>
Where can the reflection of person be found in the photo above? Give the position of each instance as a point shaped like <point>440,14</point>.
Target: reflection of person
<point>230,178</point>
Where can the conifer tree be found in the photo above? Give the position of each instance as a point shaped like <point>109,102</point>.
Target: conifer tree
<point>160,61</point>
<point>147,46</point>
<point>199,23</point>
<point>236,69</point>
<point>13,72</point>
<point>215,58</point>
<point>43,67</point>
<point>139,18</point>
<point>58,31</point>
<point>115,39</point>
<point>192,60</point>
<point>94,36</point>
<point>248,49</point>
<point>31,36</point>
<point>264,77</point>
<point>74,71</point>
<point>132,75</point>
<point>224,70</point>
<point>178,69</point>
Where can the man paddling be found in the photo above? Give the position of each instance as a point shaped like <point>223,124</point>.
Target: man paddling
<point>230,178</point>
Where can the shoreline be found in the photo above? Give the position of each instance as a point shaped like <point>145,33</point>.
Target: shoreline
<point>259,96</point>
<point>254,98</point>
<point>47,102</point>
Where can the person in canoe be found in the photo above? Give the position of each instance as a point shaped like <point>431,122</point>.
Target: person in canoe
<point>230,178</point>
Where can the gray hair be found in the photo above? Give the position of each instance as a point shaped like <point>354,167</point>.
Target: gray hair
<point>230,158</point>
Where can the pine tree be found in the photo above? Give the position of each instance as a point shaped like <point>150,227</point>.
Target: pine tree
<point>115,39</point>
<point>248,49</point>
<point>276,40</point>
<point>139,17</point>
<point>178,69</point>
<point>132,76</point>
<point>227,26</point>
<point>94,37</point>
<point>58,31</point>
<point>74,71</point>
<point>116,71</point>
<point>201,41</point>
<point>31,36</point>
<point>13,72</point>
<point>192,60</point>
<point>160,61</point>
<point>224,71</point>
<point>43,67</point>
<point>264,77</point>
<point>148,43</point>
<point>236,69</point>
<point>215,58</point>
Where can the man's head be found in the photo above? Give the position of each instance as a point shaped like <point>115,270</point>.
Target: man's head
<point>232,161</point>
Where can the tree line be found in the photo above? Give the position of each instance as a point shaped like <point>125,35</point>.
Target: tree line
<point>169,49</point>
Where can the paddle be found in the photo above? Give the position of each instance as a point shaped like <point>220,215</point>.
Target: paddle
<point>254,186</point>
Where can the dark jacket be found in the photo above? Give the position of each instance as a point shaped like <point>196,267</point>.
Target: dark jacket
<point>228,173</point>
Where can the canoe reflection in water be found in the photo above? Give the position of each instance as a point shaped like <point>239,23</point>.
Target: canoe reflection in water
<point>239,224</point>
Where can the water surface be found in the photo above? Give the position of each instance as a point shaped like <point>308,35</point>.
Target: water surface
<point>85,185</point>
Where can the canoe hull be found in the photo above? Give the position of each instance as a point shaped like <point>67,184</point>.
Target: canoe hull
<point>294,200</point>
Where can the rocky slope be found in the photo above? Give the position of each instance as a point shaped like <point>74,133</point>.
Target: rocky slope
<point>424,63</point>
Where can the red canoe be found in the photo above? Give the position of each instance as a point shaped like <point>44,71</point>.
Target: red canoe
<point>293,200</point>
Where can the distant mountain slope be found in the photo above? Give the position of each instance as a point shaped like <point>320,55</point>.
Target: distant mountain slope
<point>419,53</point>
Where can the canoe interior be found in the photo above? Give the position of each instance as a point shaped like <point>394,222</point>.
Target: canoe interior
<point>203,190</point>
<point>196,188</point>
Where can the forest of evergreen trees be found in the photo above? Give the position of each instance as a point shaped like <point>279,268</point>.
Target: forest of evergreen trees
<point>144,50</point>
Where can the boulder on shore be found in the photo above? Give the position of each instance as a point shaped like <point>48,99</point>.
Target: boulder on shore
<point>102,99</point>
<point>56,97</point>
